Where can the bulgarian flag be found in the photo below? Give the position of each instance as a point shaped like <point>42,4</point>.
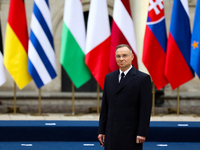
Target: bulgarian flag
<point>16,44</point>
<point>98,41</point>
<point>122,31</point>
<point>72,56</point>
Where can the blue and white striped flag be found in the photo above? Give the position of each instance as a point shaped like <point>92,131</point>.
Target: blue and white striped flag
<point>41,54</point>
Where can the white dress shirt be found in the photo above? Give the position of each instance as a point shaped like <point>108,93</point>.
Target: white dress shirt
<point>125,72</point>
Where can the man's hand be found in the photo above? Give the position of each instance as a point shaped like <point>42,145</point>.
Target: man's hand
<point>101,138</point>
<point>140,139</point>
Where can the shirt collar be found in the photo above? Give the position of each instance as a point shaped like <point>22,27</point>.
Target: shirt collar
<point>125,72</point>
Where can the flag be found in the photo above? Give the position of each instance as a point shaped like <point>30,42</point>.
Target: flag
<point>2,69</point>
<point>72,56</point>
<point>177,66</point>
<point>16,44</point>
<point>41,54</point>
<point>195,51</point>
<point>122,31</point>
<point>155,42</point>
<point>98,41</point>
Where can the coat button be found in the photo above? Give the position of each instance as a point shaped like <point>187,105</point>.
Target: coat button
<point>115,121</point>
<point>116,107</point>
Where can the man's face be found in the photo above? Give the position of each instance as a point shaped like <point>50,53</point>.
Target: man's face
<point>124,58</point>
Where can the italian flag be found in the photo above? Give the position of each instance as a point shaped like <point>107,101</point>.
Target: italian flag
<point>72,56</point>
<point>98,41</point>
<point>16,44</point>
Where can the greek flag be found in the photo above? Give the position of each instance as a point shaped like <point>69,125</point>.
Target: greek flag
<point>41,54</point>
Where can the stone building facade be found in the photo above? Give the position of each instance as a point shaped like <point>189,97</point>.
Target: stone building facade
<point>139,14</point>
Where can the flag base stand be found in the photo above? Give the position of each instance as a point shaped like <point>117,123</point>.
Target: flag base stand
<point>11,109</point>
<point>73,114</point>
<point>39,106</point>
<point>157,115</point>
<point>92,109</point>
<point>173,111</point>
<point>39,115</point>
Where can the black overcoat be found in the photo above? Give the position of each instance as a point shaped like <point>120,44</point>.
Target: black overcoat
<point>125,110</point>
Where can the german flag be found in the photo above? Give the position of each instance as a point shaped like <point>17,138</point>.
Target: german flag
<point>16,44</point>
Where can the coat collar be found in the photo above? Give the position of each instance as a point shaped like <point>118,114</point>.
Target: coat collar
<point>127,79</point>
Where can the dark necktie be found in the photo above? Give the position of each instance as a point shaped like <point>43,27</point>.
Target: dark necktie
<point>122,77</point>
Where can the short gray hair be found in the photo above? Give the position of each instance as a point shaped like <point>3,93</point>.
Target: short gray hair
<point>123,45</point>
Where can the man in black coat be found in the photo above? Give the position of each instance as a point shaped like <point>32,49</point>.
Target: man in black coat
<point>126,105</point>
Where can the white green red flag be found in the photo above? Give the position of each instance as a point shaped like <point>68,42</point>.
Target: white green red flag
<point>72,56</point>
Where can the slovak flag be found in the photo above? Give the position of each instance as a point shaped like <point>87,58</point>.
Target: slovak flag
<point>177,67</point>
<point>155,41</point>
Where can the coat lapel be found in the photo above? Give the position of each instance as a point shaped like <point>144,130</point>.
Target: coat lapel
<point>127,79</point>
<point>115,79</point>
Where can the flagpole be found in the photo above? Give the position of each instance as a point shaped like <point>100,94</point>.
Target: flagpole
<point>153,100</point>
<point>178,99</point>
<point>98,98</point>
<point>15,99</point>
<point>73,109</point>
<point>39,106</point>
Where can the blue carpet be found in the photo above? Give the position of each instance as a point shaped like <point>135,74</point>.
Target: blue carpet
<point>174,131</point>
<point>171,146</point>
<point>57,131</point>
<point>50,146</point>
<point>72,135</point>
<point>48,131</point>
<point>93,146</point>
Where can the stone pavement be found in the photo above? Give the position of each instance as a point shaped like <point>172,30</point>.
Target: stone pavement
<point>89,117</point>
